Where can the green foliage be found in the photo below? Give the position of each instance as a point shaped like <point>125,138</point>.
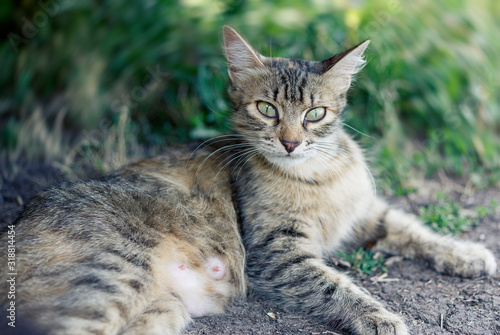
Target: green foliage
<point>364,261</point>
<point>483,211</point>
<point>447,217</point>
<point>430,77</point>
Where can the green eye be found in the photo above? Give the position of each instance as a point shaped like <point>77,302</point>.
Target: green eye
<point>316,114</point>
<point>267,109</point>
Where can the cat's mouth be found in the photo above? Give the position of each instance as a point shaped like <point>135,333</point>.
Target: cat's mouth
<point>286,159</point>
<point>289,155</point>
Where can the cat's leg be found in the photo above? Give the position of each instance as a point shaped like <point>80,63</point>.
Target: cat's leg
<point>401,233</point>
<point>96,313</point>
<point>165,315</point>
<point>284,266</point>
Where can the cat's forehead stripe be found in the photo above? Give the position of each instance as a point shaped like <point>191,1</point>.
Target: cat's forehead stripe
<point>294,64</point>
<point>292,82</point>
<point>275,94</point>
<point>292,79</point>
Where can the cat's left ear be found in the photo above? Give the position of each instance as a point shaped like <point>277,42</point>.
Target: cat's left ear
<point>343,66</point>
<point>242,58</point>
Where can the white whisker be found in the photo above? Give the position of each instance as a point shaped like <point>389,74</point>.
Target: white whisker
<point>330,163</point>
<point>255,153</point>
<point>225,148</point>
<point>345,124</point>
<point>246,161</point>
<point>228,137</point>
<point>336,153</point>
<point>230,159</point>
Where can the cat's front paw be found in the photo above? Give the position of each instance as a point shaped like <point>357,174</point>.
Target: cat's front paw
<point>466,259</point>
<point>381,322</point>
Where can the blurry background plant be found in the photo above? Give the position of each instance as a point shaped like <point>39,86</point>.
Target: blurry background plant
<point>104,79</point>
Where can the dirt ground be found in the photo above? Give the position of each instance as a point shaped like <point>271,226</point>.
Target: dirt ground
<point>429,302</point>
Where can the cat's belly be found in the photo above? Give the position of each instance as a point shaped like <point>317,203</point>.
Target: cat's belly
<point>202,283</point>
<point>196,287</point>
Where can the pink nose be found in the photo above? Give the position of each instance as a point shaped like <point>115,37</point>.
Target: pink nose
<point>290,145</point>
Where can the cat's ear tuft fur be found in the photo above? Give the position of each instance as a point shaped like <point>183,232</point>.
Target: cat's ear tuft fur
<point>240,55</point>
<point>343,66</point>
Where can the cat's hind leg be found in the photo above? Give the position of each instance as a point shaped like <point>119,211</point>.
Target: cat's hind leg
<point>165,315</point>
<point>397,232</point>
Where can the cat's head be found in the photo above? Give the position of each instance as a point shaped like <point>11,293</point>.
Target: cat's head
<point>287,109</point>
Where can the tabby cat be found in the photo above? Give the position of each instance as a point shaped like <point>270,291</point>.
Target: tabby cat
<point>163,240</point>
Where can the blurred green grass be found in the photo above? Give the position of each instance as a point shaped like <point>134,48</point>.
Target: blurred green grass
<point>99,79</point>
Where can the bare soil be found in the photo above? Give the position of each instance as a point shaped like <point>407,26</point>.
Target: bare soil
<point>430,303</point>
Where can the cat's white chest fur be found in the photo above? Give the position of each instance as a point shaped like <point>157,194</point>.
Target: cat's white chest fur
<point>341,208</point>
<point>333,208</point>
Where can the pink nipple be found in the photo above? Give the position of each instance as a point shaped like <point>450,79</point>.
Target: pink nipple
<point>183,267</point>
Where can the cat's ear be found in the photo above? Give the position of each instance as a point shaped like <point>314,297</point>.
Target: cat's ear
<point>343,66</point>
<point>240,55</point>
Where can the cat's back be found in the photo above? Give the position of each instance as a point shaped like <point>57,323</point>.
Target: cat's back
<point>132,208</point>
<point>136,192</point>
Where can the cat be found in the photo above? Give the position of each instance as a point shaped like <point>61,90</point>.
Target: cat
<point>178,236</point>
<point>305,191</point>
<point>141,251</point>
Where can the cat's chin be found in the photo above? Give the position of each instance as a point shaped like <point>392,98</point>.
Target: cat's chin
<point>301,166</point>
<point>287,161</point>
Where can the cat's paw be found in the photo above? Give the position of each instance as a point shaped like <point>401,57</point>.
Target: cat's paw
<point>466,259</point>
<point>381,322</point>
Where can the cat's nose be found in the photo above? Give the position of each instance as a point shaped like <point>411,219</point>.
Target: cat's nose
<point>290,145</point>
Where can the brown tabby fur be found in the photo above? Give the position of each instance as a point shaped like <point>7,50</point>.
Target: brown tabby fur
<point>93,257</point>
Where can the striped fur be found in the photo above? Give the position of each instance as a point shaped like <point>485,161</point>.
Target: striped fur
<point>96,257</point>
<point>298,207</point>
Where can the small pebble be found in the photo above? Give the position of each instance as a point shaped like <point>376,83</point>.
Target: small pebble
<point>271,315</point>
